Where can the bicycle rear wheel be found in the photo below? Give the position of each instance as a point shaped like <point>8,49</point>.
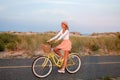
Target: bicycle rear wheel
<point>42,67</point>
<point>73,63</point>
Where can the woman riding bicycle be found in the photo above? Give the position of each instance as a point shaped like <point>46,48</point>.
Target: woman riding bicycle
<point>65,45</point>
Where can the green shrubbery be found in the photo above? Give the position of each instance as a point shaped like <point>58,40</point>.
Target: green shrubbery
<point>8,41</point>
<point>2,46</point>
<point>94,43</point>
<point>31,42</point>
<point>106,78</point>
<point>95,47</point>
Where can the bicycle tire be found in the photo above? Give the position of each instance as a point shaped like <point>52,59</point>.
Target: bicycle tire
<point>39,70</point>
<point>73,68</point>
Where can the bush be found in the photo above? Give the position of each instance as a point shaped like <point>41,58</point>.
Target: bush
<point>106,78</point>
<point>8,41</point>
<point>76,44</point>
<point>2,47</point>
<point>11,46</point>
<point>95,47</point>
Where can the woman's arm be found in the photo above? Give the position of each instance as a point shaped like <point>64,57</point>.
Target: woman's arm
<point>66,33</point>
<point>55,37</point>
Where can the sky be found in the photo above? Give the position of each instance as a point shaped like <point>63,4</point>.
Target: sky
<point>84,16</point>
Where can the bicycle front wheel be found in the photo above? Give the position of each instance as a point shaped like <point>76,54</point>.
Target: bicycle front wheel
<point>42,67</point>
<point>73,63</point>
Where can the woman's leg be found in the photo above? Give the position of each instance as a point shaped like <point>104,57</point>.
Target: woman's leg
<point>56,50</point>
<point>65,60</point>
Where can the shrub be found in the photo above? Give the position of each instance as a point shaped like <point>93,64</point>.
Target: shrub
<point>106,78</point>
<point>11,46</point>
<point>2,47</point>
<point>8,41</point>
<point>76,44</point>
<point>95,47</point>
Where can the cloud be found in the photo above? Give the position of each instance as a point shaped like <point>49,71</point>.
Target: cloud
<point>53,2</point>
<point>95,20</point>
<point>2,8</point>
<point>90,14</point>
<point>61,2</point>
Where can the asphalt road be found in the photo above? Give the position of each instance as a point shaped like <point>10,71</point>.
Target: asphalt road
<point>93,67</point>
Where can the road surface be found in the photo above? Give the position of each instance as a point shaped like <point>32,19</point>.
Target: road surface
<point>93,67</point>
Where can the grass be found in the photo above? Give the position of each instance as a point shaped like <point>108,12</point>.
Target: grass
<point>95,43</point>
<point>31,43</point>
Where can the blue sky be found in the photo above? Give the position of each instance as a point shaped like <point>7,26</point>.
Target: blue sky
<point>85,16</point>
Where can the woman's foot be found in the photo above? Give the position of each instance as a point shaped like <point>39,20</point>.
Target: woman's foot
<point>61,71</point>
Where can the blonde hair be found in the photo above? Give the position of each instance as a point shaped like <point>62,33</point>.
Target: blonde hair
<point>66,25</point>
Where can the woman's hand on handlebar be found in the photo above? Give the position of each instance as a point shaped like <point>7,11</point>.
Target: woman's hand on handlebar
<point>48,41</point>
<point>56,41</point>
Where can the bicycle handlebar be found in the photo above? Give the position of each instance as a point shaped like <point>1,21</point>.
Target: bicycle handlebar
<point>49,43</point>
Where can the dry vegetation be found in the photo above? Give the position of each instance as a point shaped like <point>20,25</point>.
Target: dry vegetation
<point>29,45</point>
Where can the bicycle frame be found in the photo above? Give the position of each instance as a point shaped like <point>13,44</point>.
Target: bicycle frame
<point>55,60</point>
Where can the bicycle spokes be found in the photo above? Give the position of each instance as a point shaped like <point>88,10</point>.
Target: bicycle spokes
<point>42,67</point>
<point>70,62</point>
<point>73,64</point>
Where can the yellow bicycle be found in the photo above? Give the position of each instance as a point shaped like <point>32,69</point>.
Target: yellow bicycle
<point>42,66</point>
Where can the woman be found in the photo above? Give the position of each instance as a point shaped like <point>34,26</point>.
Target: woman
<point>65,45</point>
